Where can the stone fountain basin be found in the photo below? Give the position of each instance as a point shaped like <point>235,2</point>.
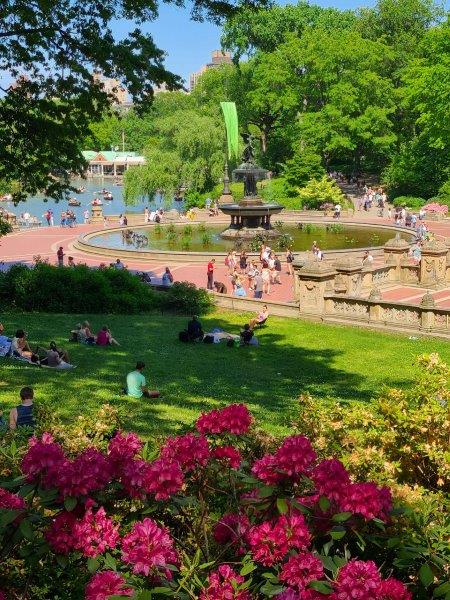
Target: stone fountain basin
<point>251,211</point>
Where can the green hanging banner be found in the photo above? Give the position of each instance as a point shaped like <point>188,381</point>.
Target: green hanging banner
<point>231,125</point>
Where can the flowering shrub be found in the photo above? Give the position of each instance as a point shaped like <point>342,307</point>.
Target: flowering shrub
<point>202,519</point>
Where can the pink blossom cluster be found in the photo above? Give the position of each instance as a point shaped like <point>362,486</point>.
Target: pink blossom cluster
<point>149,549</point>
<point>223,584</point>
<point>308,594</point>
<point>301,569</point>
<point>42,460</point>
<point>360,580</point>
<point>235,418</point>
<point>91,534</point>
<point>331,479</point>
<point>89,472</point>
<point>270,542</point>
<point>293,458</point>
<point>10,501</point>
<point>105,584</point>
<point>162,478</point>
<point>228,454</point>
<point>122,448</point>
<point>190,451</point>
<point>367,500</point>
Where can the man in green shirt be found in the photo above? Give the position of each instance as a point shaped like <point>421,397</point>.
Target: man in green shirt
<point>136,384</point>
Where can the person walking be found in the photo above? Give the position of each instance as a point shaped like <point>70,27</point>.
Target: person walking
<point>258,285</point>
<point>210,274</point>
<point>60,256</point>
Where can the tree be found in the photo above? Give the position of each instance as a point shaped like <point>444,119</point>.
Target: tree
<point>321,191</point>
<point>45,116</point>
<point>302,167</point>
<point>5,227</point>
<point>187,149</point>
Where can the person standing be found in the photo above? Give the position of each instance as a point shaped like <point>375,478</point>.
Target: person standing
<point>47,217</point>
<point>86,216</point>
<point>210,274</point>
<point>146,214</point>
<point>289,261</point>
<point>60,256</point>
<point>258,285</point>
<point>22,415</point>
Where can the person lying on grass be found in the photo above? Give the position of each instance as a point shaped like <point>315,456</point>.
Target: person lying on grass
<point>136,384</point>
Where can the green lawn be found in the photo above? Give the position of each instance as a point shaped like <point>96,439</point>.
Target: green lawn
<point>293,357</point>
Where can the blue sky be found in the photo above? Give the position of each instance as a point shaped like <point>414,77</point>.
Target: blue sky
<point>188,44</point>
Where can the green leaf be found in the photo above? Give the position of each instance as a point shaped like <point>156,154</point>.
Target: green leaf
<point>337,533</point>
<point>321,586</point>
<point>70,503</point>
<point>442,589</point>
<point>341,517</point>
<point>324,503</point>
<point>110,562</point>
<point>328,563</point>
<point>339,561</point>
<point>8,516</point>
<point>162,590</point>
<point>426,575</point>
<point>92,564</point>
<point>206,565</point>
<point>266,490</point>
<point>143,595</point>
<point>26,529</point>
<point>271,590</point>
<point>282,506</point>
<point>247,568</point>
<point>62,561</point>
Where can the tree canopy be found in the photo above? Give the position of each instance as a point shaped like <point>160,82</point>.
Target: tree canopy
<point>51,49</point>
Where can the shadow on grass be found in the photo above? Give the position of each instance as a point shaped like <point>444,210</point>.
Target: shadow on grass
<point>292,358</point>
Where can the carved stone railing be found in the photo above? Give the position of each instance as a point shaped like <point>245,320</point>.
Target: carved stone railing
<point>425,317</point>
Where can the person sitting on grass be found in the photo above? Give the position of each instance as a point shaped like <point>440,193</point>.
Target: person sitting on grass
<point>22,415</point>
<point>19,345</point>
<point>104,337</point>
<point>136,384</point>
<point>54,356</point>
<point>246,335</point>
<point>260,317</point>
<point>86,335</point>
<point>194,330</point>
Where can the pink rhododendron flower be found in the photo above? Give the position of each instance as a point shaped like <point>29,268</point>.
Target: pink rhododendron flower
<point>301,569</point>
<point>266,469</point>
<point>90,471</point>
<point>222,585</point>
<point>231,528</point>
<point>105,584</point>
<point>392,589</point>
<point>122,448</point>
<point>308,501</point>
<point>366,499</point>
<point>60,533</point>
<point>10,501</point>
<point>358,580</point>
<point>190,451</point>
<point>2,596</point>
<point>43,459</point>
<point>149,548</point>
<point>385,496</point>
<point>94,533</point>
<point>295,455</point>
<point>269,543</point>
<point>290,594</point>
<point>331,479</point>
<point>234,418</point>
<point>229,454</point>
<point>133,477</point>
<point>163,478</point>
<point>295,530</point>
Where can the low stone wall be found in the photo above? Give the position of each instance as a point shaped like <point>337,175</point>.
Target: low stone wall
<point>280,309</point>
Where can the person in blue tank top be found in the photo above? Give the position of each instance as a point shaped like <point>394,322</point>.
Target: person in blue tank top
<point>22,415</point>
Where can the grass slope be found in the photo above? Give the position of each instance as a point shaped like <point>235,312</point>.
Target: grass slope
<point>294,357</point>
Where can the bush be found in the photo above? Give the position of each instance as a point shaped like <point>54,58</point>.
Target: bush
<point>277,190</point>
<point>185,298</point>
<point>202,517</point>
<point>81,290</point>
<point>409,201</point>
<point>320,191</point>
<point>302,167</point>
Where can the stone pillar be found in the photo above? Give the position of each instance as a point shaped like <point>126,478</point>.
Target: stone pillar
<point>395,251</point>
<point>427,305</point>
<point>433,263</point>
<point>313,280</point>
<point>97,213</point>
<point>374,307</point>
<point>350,275</point>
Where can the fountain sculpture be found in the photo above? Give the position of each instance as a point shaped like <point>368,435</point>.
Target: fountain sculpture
<point>251,216</point>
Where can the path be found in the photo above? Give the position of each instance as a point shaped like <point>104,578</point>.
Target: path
<point>23,246</point>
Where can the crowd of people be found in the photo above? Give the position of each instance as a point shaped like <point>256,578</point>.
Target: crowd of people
<point>258,275</point>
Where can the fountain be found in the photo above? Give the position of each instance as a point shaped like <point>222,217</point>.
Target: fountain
<point>251,216</point>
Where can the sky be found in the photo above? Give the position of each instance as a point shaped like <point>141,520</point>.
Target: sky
<point>189,44</point>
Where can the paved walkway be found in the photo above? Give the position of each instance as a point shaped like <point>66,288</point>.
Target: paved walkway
<point>24,246</point>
